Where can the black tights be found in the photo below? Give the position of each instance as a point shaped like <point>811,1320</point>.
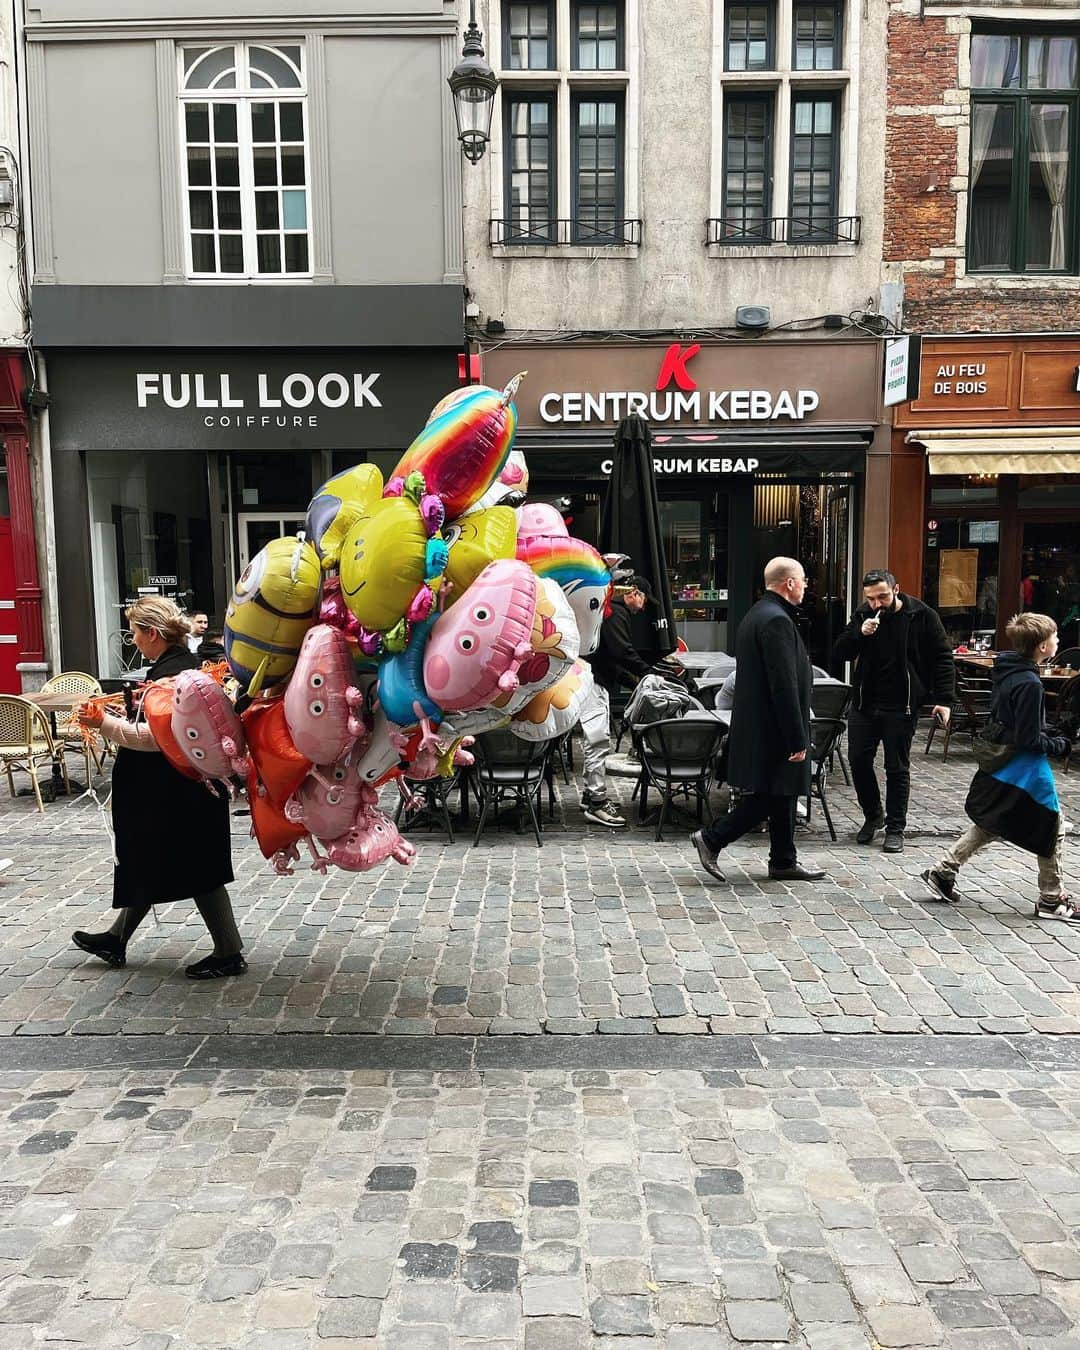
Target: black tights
<point>216,910</point>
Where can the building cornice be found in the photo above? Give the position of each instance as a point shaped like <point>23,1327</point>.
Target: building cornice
<point>361,25</point>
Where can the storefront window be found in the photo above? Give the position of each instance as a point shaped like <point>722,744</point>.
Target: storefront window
<point>1050,576</point>
<point>694,534</point>
<point>972,490</point>
<point>961,577</point>
<point>1062,493</point>
<point>149,531</point>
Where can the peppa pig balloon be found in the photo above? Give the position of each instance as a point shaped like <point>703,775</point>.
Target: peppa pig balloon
<point>540,518</point>
<point>372,838</point>
<point>328,799</point>
<point>464,445</point>
<point>321,698</point>
<point>206,727</point>
<point>582,574</point>
<point>158,702</point>
<point>476,649</point>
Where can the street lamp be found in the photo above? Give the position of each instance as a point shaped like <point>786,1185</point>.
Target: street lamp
<point>473,84</point>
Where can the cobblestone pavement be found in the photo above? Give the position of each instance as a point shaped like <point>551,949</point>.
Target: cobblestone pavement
<point>595,932</point>
<point>827,1208</point>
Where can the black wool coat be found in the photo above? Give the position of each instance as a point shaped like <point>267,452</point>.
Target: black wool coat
<point>172,832</point>
<point>771,716</point>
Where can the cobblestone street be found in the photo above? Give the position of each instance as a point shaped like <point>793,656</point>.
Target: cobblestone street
<point>857,1126</point>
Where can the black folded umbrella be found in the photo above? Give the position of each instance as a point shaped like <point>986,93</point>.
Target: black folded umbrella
<point>630,523</point>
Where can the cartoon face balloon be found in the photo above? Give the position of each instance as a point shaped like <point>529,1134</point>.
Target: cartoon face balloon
<point>554,643</point>
<point>336,506</point>
<point>383,562</point>
<point>206,727</point>
<point>474,541</point>
<point>582,574</point>
<point>328,799</point>
<point>540,518</point>
<point>372,839</point>
<point>321,699</point>
<point>476,649</point>
<point>272,607</point>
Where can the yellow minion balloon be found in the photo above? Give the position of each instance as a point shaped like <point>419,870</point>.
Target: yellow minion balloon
<point>272,607</point>
<point>475,541</point>
<point>337,505</point>
<point>383,562</point>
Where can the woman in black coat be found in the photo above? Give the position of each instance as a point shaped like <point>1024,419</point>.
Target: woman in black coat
<point>172,833</point>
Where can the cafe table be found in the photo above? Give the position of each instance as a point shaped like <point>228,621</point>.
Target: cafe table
<point>52,704</point>
<point>1053,677</point>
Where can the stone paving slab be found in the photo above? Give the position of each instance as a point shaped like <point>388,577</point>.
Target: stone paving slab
<point>595,933</point>
<point>819,1208</point>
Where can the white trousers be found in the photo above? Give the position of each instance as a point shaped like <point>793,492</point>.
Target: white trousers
<point>595,723</point>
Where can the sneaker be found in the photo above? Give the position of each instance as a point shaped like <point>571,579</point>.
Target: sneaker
<point>869,828</point>
<point>943,885</point>
<point>603,813</point>
<point>215,967</point>
<point>706,856</point>
<point>105,946</point>
<point>1061,908</point>
<point>894,841</point>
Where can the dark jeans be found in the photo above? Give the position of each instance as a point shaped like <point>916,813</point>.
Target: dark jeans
<point>750,811</point>
<point>894,731</point>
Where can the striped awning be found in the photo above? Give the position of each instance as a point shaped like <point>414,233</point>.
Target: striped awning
<point>1021,450</point>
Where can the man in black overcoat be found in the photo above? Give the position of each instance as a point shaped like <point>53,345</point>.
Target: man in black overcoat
<point>770,728</point>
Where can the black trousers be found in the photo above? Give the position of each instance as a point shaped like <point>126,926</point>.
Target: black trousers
<point>750,811</point>
<point>894,731</point>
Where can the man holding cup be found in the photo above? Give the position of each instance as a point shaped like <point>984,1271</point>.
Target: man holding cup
<point>902,661</point>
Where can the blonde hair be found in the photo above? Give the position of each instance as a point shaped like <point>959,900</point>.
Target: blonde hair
<point>1028,631</point>
<point>156,614</point>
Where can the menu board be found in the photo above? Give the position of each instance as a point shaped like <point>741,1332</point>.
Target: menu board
<point>959,578</point>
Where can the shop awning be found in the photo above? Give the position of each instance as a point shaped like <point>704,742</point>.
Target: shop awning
<point>992,450</point>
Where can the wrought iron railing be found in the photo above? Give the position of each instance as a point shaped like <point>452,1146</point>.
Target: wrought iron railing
<point>601,233</point>
<point>784,230</point>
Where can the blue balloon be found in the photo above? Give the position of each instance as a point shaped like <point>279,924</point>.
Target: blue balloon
<point>401,681</point>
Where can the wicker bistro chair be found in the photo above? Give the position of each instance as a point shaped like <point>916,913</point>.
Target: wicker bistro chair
<point>25,739</point>
<point>510,770</point>
<point>825,733</point>
<point>78,682</point>
<point>969,712</point>
<point>679,757</point>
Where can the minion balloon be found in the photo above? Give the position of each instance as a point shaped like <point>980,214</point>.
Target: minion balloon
<point>274,604</point>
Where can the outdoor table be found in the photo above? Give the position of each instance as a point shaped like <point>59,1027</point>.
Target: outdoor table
<point>53,704</point>
<point>699,661</point>
<point>1052,677</point>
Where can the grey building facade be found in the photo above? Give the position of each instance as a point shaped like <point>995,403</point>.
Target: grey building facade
<point>247,276</point>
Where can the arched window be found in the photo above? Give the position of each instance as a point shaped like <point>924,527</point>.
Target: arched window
<point>243,120</point>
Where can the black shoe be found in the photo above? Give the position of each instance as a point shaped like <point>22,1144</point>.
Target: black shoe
<point>706,856</point>
<point>795,874</point>
<point>943,885</point>
<point>869,829</point>
<point>894,841</point>
<point>106,947</point>
<point>215,967</point>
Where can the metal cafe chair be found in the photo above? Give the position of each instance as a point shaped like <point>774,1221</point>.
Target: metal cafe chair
<point>969,712</point>
<point>509,770</point>
<point>433,796</point>
<point>678,757</point>
<point>828,700</point>
<point>825,733</point>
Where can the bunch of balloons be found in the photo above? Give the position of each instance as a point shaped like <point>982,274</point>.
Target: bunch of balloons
<point>409,617</point>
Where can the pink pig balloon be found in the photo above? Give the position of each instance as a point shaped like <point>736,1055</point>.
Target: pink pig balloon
<point>321,699</point>
<point>476,648</point>
<point>540,518</point>
<point>328,800</point>
<point>206,726</point>
<point>372,839</point>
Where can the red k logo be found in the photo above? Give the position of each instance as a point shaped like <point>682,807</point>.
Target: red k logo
<point>673,366</point>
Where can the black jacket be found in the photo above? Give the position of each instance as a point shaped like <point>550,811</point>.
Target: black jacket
<point>616,660</point>
<point>172,833</point>
<point>930,667</point>
<point>770,719</point>
<point>1019,704</point>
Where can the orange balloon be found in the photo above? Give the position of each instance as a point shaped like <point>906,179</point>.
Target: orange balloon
<point>268,823</point>
<point>157,705</point>
<point>280,766</point>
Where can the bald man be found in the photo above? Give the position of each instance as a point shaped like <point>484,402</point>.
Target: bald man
<point>770,728</point>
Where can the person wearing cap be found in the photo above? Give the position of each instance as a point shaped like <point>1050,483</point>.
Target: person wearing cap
<point>616,662</point>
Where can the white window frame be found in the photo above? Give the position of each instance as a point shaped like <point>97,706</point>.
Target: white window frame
<point>563,82</point>
<point>243,96</point>
<point>785,83</point>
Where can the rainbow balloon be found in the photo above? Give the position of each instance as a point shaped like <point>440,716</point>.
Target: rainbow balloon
<point>464,445</point>
<point>579,570</point>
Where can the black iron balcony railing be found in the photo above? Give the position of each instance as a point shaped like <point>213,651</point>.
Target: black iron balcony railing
<point>601,233</point>
<point>784,230</point>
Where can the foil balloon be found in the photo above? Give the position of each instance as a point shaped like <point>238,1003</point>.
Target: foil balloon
<point>158,701</point>
<point>466,725</point>
<point>509,488</point>
<point>381,761</point>
<point>554,642</point>
<point>401,691</point>
<point>474,541</point>
<point>391,565</point>
<point>582,574</point>
<point>540,518</point>
<point>476,649</point>
<point>556,709</point>
<point>206,727</point>
<point>272,607</point>
<point>464,445</point>
<point>276,835</point>
<point>328,799</point>
<point>280,766</point>
<point>372,838</point>
<point>321,698</point>
<point>337,505</point>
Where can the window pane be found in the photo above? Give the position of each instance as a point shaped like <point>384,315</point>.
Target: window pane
<point>816,33</point>
<point>292,165</point>
<point>202,211</point>
<point>199,167</point>
<point>597,169</point>
<point>266,211</point>
<point>995,61</point>
<point>990,231</point>
<point>596,35</point>
<point>197,121</point>
<point>813,179</point>
<point>227,167</point>
<point>232,252</point>
<point>265,164</point>
<point>225,122</point>
<point>202,253</point>
<point>263,128</point>
<point>228,210</point>
<point>1051,63</point>
<point>269,252</point>
<point>748,37</point>
<point>292,121</point>
<point>211,68</point>
<point>294,210</point>
<point>528,43</point>
<point>277,73</point>
<point>528,187</point>
<point>296,253</point>
<point>748,123</point>
<point>1048,183</point>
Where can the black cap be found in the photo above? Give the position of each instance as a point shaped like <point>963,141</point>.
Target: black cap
<point>640,583</point>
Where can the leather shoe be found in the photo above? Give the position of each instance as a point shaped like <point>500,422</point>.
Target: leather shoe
<point>706,857</point>
<point>216,967</point>
<point>894,841</point>
<point>105,946</point>
<point>795,874</point>
<point>869,829</point>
